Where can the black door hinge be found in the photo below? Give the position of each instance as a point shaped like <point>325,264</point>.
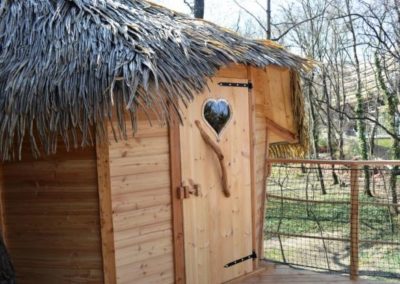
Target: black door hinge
<point>251,256</point>
<point>248,85</point>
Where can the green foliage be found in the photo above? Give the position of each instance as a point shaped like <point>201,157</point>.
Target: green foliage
<point>299,217</point>
<point>351,149</point>
<point>383,142</point>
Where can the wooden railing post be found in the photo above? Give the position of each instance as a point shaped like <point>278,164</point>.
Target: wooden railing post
<point>354,222</point>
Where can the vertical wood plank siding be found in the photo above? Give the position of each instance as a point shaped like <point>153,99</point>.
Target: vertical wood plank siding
<point>141,203</point>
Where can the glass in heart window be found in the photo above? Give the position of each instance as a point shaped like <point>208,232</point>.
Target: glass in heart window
<point>217,113</point>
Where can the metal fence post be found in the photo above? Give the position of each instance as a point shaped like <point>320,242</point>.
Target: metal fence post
<point>354,222</point>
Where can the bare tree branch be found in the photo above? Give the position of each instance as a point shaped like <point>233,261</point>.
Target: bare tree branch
<point>348,116</point>
<point>253,16</point>
<point>295,25</point>
<point>191,6</point>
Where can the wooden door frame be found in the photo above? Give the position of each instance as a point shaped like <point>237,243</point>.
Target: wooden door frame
<point>252,118</point>
<point>176,180</point>
<point>176,203</point>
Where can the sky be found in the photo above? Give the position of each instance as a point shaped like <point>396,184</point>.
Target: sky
<point>218,5</point>
<point>226,12</point>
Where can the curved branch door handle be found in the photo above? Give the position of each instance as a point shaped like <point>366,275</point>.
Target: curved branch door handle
<point>217,150</point>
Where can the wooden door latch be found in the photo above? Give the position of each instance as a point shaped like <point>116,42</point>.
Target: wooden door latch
<point>185,191</point>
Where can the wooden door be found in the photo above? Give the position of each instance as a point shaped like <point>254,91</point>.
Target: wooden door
<point>217,229</point>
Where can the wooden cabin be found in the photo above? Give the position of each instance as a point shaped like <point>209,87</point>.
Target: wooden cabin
<point>176,196</point>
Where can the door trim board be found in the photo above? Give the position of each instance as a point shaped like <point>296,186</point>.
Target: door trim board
<point>177,206</point>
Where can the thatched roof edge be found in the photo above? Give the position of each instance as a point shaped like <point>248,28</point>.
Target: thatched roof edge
<point>69,66</point>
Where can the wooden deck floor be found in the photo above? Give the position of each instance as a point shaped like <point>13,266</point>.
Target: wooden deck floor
<point>282,274</point>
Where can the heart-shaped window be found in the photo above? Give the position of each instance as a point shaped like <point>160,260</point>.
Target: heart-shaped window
<point>217,114</point>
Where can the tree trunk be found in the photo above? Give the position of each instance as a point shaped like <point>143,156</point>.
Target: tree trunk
<point>268,19</point>
<point>198,9</point>
<point>329,124</point>
<point>372,135</point>
<point>392,102</point>
<point>374,127</point>
<point>342,108</point>
<point>315,133</point>
<point>361,125</point>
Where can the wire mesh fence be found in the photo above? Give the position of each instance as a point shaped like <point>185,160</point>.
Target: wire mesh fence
<point>332,218</point>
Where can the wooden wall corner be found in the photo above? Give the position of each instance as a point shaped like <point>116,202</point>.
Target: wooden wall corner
<point>252,113</point>
<point>106,215</point>
<point>176,203</point>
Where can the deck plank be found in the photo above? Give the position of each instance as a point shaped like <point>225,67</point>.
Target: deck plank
<point>283,274</point>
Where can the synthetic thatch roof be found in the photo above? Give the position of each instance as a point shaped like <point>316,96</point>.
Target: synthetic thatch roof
<point>68,66</point>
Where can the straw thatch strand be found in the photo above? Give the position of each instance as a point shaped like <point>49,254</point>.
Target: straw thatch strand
<point>69,66</point>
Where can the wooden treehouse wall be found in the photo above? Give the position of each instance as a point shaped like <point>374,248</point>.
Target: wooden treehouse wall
<point>141,180</point>
<point>141,204</point>
<point>281,109</point>
<point>278,105</point>
<point>51,205</point>
<point>51,217</point>
<point>272,115</point>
